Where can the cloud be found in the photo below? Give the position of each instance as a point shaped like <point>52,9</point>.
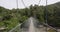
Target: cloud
<point>12,3</point>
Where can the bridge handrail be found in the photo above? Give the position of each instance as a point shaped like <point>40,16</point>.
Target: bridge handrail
<point>50,26</point>
<point>14,28</point>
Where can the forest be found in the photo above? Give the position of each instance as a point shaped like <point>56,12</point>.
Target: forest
<point>10,18</point>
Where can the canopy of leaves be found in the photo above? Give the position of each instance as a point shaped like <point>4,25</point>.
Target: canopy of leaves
<point>10,18</point>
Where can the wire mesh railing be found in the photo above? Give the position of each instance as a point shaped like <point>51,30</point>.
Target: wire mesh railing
<point>41,28</point>
<point>16,29</point>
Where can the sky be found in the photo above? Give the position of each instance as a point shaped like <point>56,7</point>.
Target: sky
<point>10,4</point>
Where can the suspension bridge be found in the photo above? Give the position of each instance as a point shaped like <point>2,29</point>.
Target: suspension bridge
<point>32,25</point>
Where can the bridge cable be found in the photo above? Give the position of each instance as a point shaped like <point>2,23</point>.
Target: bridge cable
<point>23,3</point>
<point>17,3</point>
<point>46,17</point>
<point>39,2</point>
<point>37,8</point>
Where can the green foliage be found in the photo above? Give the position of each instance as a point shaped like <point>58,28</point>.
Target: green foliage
<point>10,18</point>
<point>51,30</point>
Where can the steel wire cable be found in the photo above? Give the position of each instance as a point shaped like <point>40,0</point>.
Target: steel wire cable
<point>23,3</point>
<point>17,3</point>
<point>39,2</point>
